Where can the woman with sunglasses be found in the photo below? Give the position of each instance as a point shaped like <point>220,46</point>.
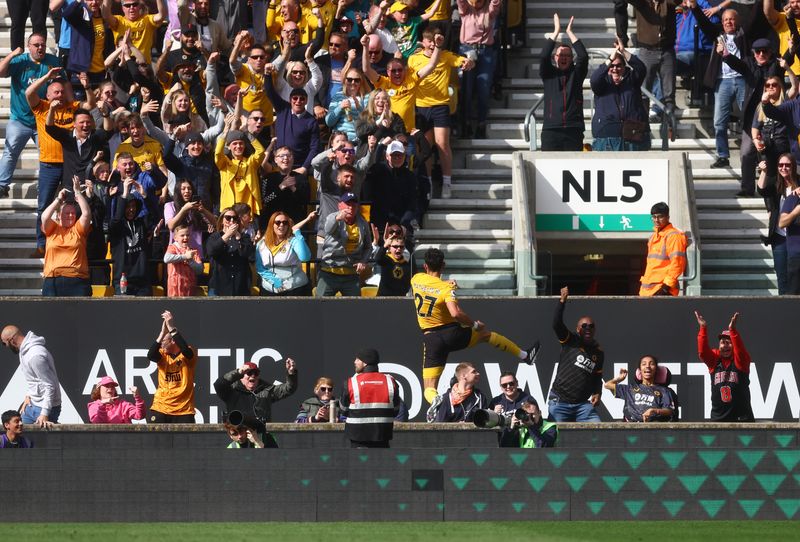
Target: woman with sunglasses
<point>770,136</point>
<point>378,120</point>
<point>348,104</point>
<point>317,409</point>
<point>393,260</point>
<point>230,250</point>
<point>306,75</point>
<point>280,255</point>
<point>775,191</point>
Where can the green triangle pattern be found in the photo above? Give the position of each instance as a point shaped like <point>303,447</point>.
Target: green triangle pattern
<point>557,458</point>
<point>460,483</point>
<point>596,506</point>
<point>770,482</point>
<point>796,478</point>
<point>305,481</point>
<point>634,507</point>
<point>788,506</point>
<point>576,482</point>
<point>537,482</point>
<point>784,440</point>
<point>479,506</point>
<point>673,507</point>
<point>712,458</point>
<point>634,459</point>
<point>479,459</point>
<point>402,458</point>
<point>325,458</point>
<point>402,506</point>
<point>363,458</point>
<point>518,458</point>
<point>692,483</point>
<point>557,506</point>
<point>632,439</point>
<point>731,482</point>
<point>343,482</point>
<point>751,507</point>
<point>383,482</point>
<point>788,458</point>
<point>498,483</point>
<point>440,458</point>
<point>712,507</point>
<point>750,458</point>
<point>595,458</point>
<point>673,459</point>
<point>746,440</point>
<point>421,482</point>
<point>518,506</point>
<point>708,440</point>
<point>669,439</point>
<point>615,483</point>
<point>654,483</point>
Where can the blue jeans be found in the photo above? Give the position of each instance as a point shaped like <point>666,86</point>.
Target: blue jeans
<point>17,136</point>
<point>33,412</point>
<point>570,412</point>
<point>618,144</point>
<point>49,183</point>
<point>66,287</point>
<point>725,92</point>
<point>478,80</point>
<point>781,263</point>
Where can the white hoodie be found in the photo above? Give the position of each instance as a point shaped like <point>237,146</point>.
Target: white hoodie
<point>40,373</point>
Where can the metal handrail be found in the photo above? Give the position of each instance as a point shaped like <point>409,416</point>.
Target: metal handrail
<point>529,127</point>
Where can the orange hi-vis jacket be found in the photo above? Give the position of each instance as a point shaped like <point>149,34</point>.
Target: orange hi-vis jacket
<point>666,260</point>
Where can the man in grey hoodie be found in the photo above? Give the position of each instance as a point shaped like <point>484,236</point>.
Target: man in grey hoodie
<point>42,404</point>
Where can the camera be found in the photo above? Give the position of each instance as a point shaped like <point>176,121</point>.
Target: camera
<point>239,419</point>
<point>488,419</point>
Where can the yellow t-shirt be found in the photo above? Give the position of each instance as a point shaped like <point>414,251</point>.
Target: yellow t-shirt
<point>328,12</point>
<point>143,32</point>
<point>431,295</point>
<point>442,13</point>
<point>50,150</point>
<point>149,151</point>
<point>307,25</point>
<point>239,180</point>
<point>99,26</point>
<point>175,393</point>
<point>433,90</point>
<point>402,97</point>
<point>353,237</point>
<point>782,29</point>
<point>256,98</point>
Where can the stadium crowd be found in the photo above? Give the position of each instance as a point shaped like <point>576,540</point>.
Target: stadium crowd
<point>201,151</point>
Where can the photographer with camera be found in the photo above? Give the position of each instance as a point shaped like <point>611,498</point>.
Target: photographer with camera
<point>528,430</point>
<point>242,436</point>
<point>510,400</point>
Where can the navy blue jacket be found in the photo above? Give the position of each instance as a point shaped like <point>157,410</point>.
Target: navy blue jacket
<point>199,170</point>
<point>82,37</point>
<point>299,133</point>
<point>615,103</point>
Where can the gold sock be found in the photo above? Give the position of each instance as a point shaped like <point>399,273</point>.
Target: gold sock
<point>430,394</point>
<point>498,341</point>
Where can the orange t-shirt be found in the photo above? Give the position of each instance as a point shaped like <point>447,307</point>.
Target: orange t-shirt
<point>65,255</point>
<point>175,393</point>
<point>50,150</point>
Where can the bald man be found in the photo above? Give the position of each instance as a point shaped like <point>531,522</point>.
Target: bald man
<point>42,404</point>
<point>378,60</point>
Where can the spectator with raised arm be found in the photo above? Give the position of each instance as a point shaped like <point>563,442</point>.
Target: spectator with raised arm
<point>173,401</point>
<point>562,126</point>
<point>251,76</point>
<point>770,136</point>
<point>188,209</point>
<point>108,407</point>
<point>141,25</point>
<point>306,75</point>
<point>394,263</point>
<point>645,401</point>
<point>230,249</point>
<point>131,240</point>
<point>280,254</point>
<point>295,127</point>
<point>241,389</point>
<point>238,172</point>
<point>283,189</point>
<point>782,23</point>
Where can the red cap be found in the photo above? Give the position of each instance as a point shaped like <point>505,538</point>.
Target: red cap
<point>726,334</point>
<point>251,366</point>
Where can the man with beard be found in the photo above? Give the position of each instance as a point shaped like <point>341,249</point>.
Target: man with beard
<point>579,380</point>
<point>210,33</point>
<point>42,404</point>
<point>241,389</point>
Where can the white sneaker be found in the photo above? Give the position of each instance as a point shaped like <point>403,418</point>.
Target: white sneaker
<point>434,408</point>
<point>447,191</point>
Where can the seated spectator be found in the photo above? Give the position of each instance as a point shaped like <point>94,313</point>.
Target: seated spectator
<point>173,401</point>
<point>532,431</point>
<point>617,86</point>
<point>131,244</point>
<point>317,409</point>
<point>12,431</point>
<point>283,189</point>
<point>393,261</point>
<point>392,189</point>
<point>346,248</point>
<point>279,257</point>
<point>242,436</point>
<point>348,104</point>
<point>775,190</point>
<point>645,401</point>
<point>379,121</point>
<point>460,402</point>
<point>183,264</point>
<point>107,407</point>
<point>66,266</point>
<point>295,127</point>
<point>187,209</point>
<point>230,250</point>
<point>238,172</point>
<point>770,136</point>
<point>241,389</point>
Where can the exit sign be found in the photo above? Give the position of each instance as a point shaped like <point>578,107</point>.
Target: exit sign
<point>599,194</point>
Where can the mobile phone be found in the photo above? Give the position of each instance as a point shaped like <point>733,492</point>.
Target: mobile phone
<point>196,198</point>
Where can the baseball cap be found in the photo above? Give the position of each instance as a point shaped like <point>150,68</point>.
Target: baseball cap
<point>347,198</point>
<point>395,146</point>
<point>251,366</point>
<point>762,43</point>
<point>397,6</point>
<point>726,334</point>
<point>189,28</point>
<point>298,92</point>
<point>194,137</point>
<point>107,381</point>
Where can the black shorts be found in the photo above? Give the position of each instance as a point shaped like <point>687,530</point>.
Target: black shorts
<point>437,116</point>
<point>440,342</point>
<point>160,417</point>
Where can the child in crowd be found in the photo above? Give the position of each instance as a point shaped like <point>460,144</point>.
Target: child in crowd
<point>183,265</point>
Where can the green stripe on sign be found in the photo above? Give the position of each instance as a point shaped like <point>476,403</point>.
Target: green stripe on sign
<point>586,222</point>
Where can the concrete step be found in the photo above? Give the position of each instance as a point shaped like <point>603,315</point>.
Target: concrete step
<point>737,264</point>
<point>744,234</point>
<point>745,219</point>
<point>448,235</point>
<point>17,219</point>
<point>28,204</point>
<point>21,279</point>
<point>471,203</point>
<point>475,190</point>
<point>729,292</point>
<point>732,204</point>
<point>17,249</point>
<point>741,281</point>
<point>15,233</point>
<point>484,280</point>
<point>468,265</point>
<point>463,250</point>
<point>7,264</point>
<point>738,250</point>
<point>490,175</point>
<point>21,292</point>
<point>467,221</point>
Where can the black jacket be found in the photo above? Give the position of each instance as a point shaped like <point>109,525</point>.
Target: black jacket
<point>130,245</point>
<point>712,31</point>
<point>754,77</point>
<point>393,193</point>
<point>230,264</point>
<point>614,104</point>
<point>75,161</point>
<point>256,403</point>
<point>199,170</point>
<point>273,199</point>
<point>563,90</point>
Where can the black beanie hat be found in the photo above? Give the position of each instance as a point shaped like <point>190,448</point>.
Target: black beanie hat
<point>369,356</point>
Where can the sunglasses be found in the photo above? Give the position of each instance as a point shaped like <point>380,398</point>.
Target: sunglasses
<point>335,44</point>
<point>616,66</point>
<point>325,388</point>
<point>231,218</point>
<point>347,151</point>
<point>761,51</point>
<point>396,70</point>
<point>397,246</point>
<point>281,222</point>
<point>299,98</point>
<point>130,6</point>
<point>258,57</point>
<point>771,85</point>
<point>252,372</point>
<point>587,326</point>
<point>784,165</point>
<point>395,232</point>
<point>298,72</point>
<point>508,384</point>
<point>352,79</point>
<point>292,31</point>
<point>257,119</point>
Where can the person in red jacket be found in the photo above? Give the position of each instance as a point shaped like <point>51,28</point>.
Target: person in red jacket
<point>729,366</point>
<point>666,255</point>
